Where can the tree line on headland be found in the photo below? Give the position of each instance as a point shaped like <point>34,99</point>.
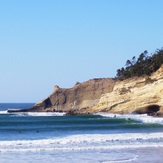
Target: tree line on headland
<point>145,64</point>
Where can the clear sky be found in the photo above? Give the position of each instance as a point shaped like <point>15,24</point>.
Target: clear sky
<point>59,42</point>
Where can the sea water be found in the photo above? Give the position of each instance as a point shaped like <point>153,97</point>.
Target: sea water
<point>98,138</point>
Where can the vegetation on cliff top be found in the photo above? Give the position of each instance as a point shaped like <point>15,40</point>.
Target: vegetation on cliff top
<point>144,65</point>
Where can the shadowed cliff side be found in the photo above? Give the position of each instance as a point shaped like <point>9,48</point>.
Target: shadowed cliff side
<point>81,96</point>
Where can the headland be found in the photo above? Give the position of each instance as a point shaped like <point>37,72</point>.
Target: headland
<point>142,95</point>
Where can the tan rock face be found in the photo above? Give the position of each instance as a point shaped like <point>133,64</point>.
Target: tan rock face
<point>135,95</point>
<point>81,96</point>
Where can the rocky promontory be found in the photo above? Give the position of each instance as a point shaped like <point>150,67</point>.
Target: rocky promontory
<point>134,95</point>
<point>82,96</point>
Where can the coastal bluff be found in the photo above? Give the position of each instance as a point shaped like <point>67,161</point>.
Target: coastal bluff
<point>80,97</point>
<point>134,95</point>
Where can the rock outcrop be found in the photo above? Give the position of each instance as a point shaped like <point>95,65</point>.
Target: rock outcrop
<point>134,95</point>
<point>137,95</point>
<point>80,97</point>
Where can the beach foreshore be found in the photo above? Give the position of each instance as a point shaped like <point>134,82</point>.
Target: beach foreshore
<point>136,155</point>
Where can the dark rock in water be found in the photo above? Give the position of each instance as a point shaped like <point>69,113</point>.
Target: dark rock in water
<point>17,110</point>
<point>13,111</point>
<point>10,111</point>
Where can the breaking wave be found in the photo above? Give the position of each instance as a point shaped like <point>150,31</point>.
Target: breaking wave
<point>33,113</point>
<point>85,142</point>
<point>143,118</point>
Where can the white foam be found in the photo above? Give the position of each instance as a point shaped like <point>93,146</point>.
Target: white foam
<point>46,113</point>
<point>123,160</point>
<point>38,113</point>
<point>89,138</point>
<point>78,148</point>
<point>3,112</point>
<point>86,142</point>
<point>144,118</point>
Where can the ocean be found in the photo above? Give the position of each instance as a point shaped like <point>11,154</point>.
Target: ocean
<point>98,138</point>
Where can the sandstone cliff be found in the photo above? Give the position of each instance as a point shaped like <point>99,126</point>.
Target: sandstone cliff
<point>82,96</point>
<point>134,95</point>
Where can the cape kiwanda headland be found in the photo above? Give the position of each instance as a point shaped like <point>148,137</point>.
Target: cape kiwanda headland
<point>134,95</point>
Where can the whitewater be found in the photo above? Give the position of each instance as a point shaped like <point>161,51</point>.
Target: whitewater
<point>98,138</point>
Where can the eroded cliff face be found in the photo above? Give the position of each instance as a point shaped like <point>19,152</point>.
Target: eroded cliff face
<point>81,96</point>
<point>135,95</point>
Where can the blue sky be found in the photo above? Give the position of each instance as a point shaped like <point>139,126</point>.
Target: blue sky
<point>59,42</point>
